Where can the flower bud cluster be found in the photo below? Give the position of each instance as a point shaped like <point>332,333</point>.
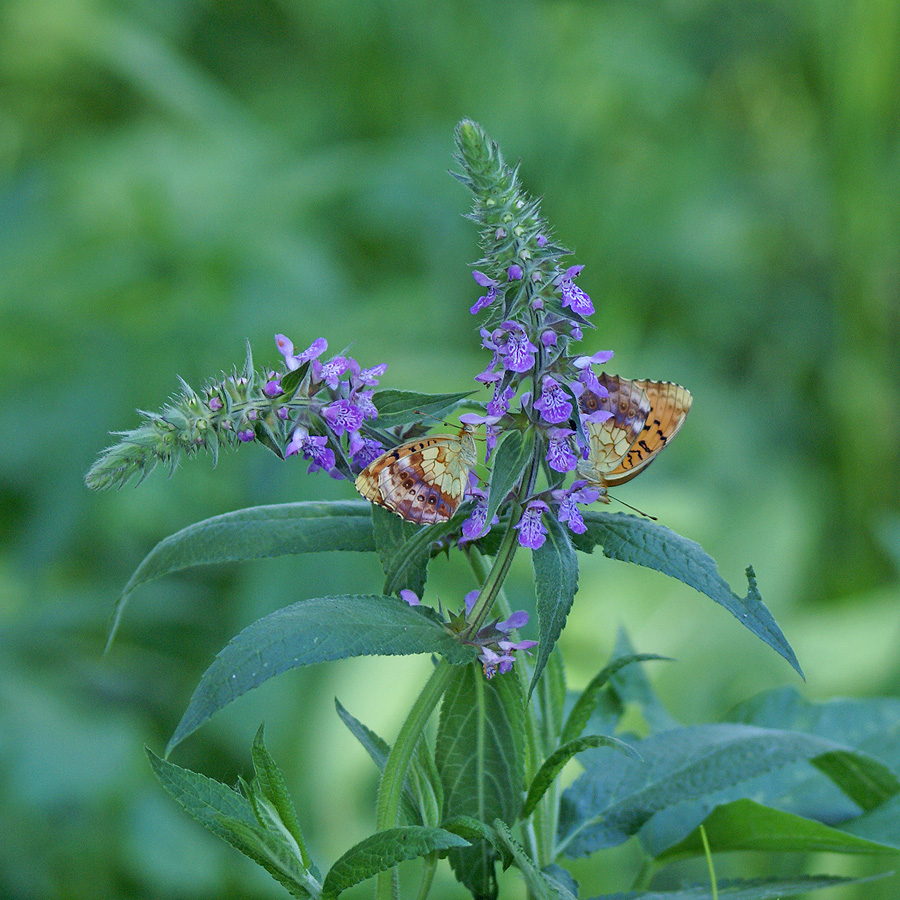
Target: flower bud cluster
<point>316,409</point>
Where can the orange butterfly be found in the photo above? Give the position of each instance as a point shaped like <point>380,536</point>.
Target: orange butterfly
<point>646,416</point>
<point>424,480</point>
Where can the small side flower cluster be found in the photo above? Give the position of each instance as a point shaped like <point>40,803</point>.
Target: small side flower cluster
<point>493,640</point>
<point>535,311</point>
<point>320,410</point>
<point>337,407</point>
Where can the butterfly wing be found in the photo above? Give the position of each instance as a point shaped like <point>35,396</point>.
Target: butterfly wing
<point>646,416</point>
<point>422,481</point>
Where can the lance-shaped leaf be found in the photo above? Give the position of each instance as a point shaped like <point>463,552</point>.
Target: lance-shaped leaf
<point>746,889</point>
<point>510,459</point>
<point>540,887</point>
<point>311,631</point>
<point>400,407</point>
<point>554,763</point>
<point>635,540</point>
<point>555,583</point>
<point>255,533</point>
<point>587,699</point>
<point>684,774</point>
<point>229,815</point>
<point>380,852</point>
<point>479,754</point>
<point>746,825</point>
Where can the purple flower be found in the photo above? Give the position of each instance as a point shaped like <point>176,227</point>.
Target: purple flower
<point>470,599</point>
<point>342,416</point>
<point>514,272</point>
<point>286,349</point>
<point>363,401</point>
<point>331,371</point>
<point>560,456</point>
<point>368,377</point>
<point>575,298</point>
<point>499,403</point>
<point>601,357</point>
<point>410,597</point>
<point>246,435</point>
<point>518,619</point>
<point>518,351</point>
<point>370,451</point>
<point>493,662</point>
<point>532,532</point>
<point>554,404</point>
<point>314,448</point>
<point>484,300</point>
<point>541,241</point>
<point>215,403</point>
<point>577,334</point>
<point>549,338</point>
<point>568,513</point>
<point>483,280</point>
<point>272,388</point>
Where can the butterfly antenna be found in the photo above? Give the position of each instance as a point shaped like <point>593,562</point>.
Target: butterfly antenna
<point>426,415</point>
<point>638,511</point>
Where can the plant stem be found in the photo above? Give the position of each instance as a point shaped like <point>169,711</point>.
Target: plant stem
<point>387,809</point>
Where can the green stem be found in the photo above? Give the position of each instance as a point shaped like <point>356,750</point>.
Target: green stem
<point>387,809</point>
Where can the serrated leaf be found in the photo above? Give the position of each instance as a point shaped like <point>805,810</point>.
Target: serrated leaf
<point>257,532</point>
<point>404,548</point>
<point>380,852</point>
<point>684,774</point>
<point>311,631</point>
<point>399,407</point>
<point>229,815</point>
<point>555,583</point>
<point>378,749</point>
<point>635,540</point>
<point>479,754</point>
<point>539,886</point>
<point>747,825</point>
<point>510,459</point>
<point>587,700</point>
<point>554,763</point>
<point>748,889</point>
<point>272,785</point>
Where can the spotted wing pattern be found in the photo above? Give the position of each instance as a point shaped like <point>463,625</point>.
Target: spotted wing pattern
<point>424,480</point>
<point>646,416</point>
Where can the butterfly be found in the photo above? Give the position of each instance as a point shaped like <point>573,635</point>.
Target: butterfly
<point>424,480</point>
<point>646,416</point>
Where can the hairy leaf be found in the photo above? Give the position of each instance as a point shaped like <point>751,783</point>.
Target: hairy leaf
<point>311,631</point>
<point>400,407</point>
<point>635,540</point>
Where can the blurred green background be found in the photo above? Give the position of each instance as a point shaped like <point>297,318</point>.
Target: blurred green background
<point>177,176</point>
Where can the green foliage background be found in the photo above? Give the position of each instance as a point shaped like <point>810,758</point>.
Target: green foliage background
<point>177,176</point>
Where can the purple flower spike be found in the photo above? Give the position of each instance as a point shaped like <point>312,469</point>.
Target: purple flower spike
<point>342,416</point>
<point>553,405</point>
<point>560,456</point>
<point>514,272</point>
<point>532,532</point>
<point>410,597</point>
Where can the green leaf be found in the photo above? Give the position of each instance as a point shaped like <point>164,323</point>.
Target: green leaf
<point>748,889</point>
<point>746,825</point>
<point>539,886</point>
<point>479,754</point>
<point>380,852</point>
<point>510,459</point>
<point>864,780</point>
<point>272,786</point>
<point>229,815</point>
<point>587,700</point>
<point>684,774</point>
<point>378,749</point>
<point>555,583</point>
<point>635,540</point>
<point>311,631</point>
<point>257,532</point>
<point>400,407</point>
<point>881,824</point>
<point>405,548</point>
<point>554,763</point>
<point>291,380</point>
